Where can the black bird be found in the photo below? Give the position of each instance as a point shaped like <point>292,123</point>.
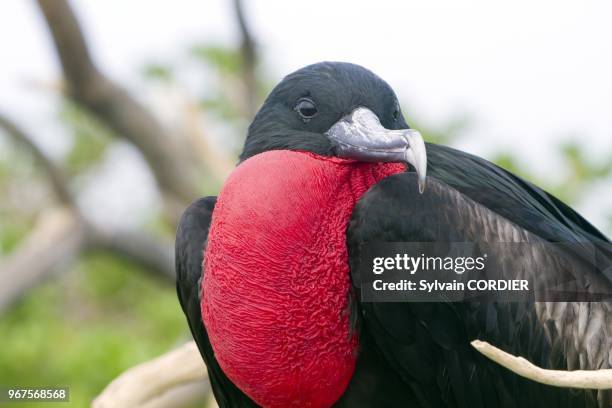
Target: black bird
<point>268,272</point>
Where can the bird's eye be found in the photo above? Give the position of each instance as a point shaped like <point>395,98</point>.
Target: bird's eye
<point>306,108</point>
<point>396,113</point>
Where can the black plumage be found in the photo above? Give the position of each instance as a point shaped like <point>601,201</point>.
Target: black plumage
<point>418,354</point>
<point>190,245</point>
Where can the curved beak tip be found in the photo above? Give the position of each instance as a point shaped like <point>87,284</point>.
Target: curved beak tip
<point>361,136</point>
<point>416,155</point>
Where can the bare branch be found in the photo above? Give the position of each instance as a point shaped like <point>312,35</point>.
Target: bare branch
<point>55,175</point>
<point>151,253</point>
<point>62,233</point>
<point>142,385</point>
<point>56,240</point>
<point>194,394</point>
<point>249,57</point>
<point>114,105</point>
<point>588,379</point>
<point>60,236</point>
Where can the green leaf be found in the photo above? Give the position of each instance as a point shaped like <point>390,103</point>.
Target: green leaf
<point>158,71</point>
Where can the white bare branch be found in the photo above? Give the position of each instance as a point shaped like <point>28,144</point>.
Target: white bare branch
<point>587,379</point>
<point>57,238</point>
<point>178,377</point>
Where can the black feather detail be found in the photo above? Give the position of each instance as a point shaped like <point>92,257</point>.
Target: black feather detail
<point>427,344</point>
<point>191,239</point>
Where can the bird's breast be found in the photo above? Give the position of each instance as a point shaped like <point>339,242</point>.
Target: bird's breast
<point>276,284</point>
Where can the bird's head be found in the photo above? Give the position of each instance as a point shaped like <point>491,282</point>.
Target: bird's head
<point>336,109</point>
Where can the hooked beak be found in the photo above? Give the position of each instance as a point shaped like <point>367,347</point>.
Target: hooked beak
<point>361,136</point>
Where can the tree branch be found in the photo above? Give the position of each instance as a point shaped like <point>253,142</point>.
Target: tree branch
<point>57,239</point>
<point>60,236</point>
<point>588,379</point>
<point>55,175</point>
<point>114,105</point>
<point>142,385</point>
<point>249,58</point>
<point>62,233</point>
<point>151,253</point>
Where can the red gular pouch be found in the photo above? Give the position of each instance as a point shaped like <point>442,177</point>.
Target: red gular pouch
<point>276,285</point>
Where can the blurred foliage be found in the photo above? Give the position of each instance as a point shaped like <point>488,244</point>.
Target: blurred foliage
<point>220,88</point>
<point>158,71</point>
<point>18,206</point>
<point>14,229</point>
<point>90,323</point>
<point>90,138</point>
<point>103,315</point>
<point>224,98</point>
<point>225,60</point>
<point>87,326</point>
<point>579,172</point>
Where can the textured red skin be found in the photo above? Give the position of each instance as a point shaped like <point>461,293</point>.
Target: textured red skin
<point>276,287</point>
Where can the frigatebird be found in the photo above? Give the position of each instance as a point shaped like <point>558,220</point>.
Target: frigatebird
<point>267,271</point>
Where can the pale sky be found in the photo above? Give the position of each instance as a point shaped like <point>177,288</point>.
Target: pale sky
<point>528,73</point>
